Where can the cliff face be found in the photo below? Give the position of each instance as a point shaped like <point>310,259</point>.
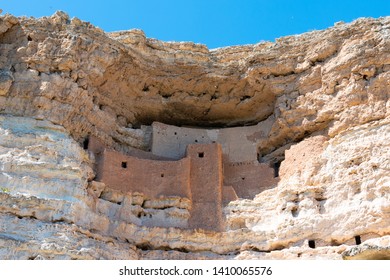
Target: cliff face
<point>320,100</point>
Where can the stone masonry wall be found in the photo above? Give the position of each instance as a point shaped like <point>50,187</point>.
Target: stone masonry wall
<point>206,186</point>
<point>249,178</point>
<point>151,177</point>
<point>238,143</point>
<point>242,170</point>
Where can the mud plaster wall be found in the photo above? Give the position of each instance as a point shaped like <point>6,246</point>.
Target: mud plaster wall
<point>249,178</point>
<point>96,146</point>
<point>239,144</point>
<point>206,186</point>
<point>198,177</point>
<point>153,178</point>
<point>228,194</point>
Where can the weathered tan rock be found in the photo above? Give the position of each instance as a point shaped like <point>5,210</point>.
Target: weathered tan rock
<point>373,249</point>
<point>5,82</point>
<point>318,103</point>
<point>342,191</point>
<point>23,238</point>
<point>93,83</point>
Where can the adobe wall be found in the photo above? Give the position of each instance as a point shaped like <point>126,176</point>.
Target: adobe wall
<point>151,177</point>
<point>257,176</point>
<point>228,194</point>
<point>238,143</point>
<point>249,178</point>
<point>97,147</point>
<point>206,186</point>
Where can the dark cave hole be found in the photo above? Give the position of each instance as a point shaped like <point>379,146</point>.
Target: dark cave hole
<point>358,240</point>
<point>86,143</point>
<point>276,167</point>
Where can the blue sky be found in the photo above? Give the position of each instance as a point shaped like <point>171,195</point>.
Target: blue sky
<point>215,23</point>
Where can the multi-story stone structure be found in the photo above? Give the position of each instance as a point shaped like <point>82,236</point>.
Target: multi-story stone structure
<point>210,167</point>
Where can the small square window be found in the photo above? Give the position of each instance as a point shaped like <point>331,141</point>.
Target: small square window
<point>124,164</point>
<point>201,154</point>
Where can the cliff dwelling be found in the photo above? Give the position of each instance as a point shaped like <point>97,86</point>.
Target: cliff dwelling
<point>128,147</point>
<point>209,167</point>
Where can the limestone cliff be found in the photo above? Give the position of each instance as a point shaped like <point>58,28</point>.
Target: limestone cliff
<point>318,105</point>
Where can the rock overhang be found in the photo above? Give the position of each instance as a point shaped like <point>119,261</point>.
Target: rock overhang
<point>322,84</point>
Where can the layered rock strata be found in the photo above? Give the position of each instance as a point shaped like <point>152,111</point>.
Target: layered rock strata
<point>320,102</point>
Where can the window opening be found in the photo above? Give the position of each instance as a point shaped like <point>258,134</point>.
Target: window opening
<point>276,167</point>
<point>86,143</point>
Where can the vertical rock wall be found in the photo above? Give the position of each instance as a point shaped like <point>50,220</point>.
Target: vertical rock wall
<point>322,98</point>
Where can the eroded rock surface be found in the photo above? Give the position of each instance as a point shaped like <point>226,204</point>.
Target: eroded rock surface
<point>320,102</point>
